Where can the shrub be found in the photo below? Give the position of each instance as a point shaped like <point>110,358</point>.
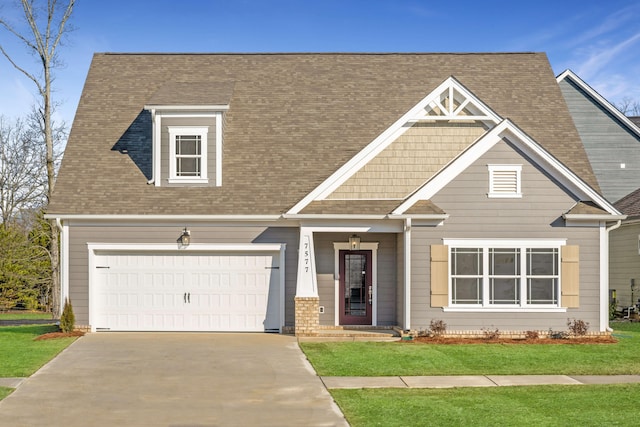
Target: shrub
<point>491,334</point>
<point>437,327</point>
<point>577,327</point>
<point>532,335</point>
<point>67,319</point>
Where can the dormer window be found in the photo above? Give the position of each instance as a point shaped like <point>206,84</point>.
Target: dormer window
<point>504,181</point>
<point>188,154</point>
<point>188,133</point>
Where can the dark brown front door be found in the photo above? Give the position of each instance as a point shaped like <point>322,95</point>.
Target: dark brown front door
<point>356,291</point>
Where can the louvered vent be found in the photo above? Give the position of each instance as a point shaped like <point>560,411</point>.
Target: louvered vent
<point>504,180</point>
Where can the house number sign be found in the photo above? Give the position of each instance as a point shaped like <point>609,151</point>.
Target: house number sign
<point>306,254</point>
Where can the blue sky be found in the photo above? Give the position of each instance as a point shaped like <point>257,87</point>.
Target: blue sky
<point>599,40</point>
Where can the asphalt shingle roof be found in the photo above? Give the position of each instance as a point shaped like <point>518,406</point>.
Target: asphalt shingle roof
<point>293,119</point>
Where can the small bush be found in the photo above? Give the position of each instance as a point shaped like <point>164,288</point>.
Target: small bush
<point>532,335</point>
<point>558,335</point>
<point>437,327</point>
<point>577,327</point>
<point>490,334</point>
<point>67,319</point>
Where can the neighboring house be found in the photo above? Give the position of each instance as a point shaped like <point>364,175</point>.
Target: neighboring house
<point>625,253</point>
<point>294,192</point>
<point>612,142</point>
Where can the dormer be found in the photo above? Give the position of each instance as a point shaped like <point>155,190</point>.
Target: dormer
<point>187,129</point>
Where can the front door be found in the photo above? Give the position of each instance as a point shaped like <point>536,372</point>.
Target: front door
<point>356,293</point>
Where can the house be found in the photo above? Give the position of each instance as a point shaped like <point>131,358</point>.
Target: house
<point>612,143</point>
<point>296,192</point>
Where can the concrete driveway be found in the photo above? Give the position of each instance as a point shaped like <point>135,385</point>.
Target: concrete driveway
<point>174,379</point>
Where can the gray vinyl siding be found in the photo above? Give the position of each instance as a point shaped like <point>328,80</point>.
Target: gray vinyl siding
<point>211,146</point>
<point>80,234</point>
<point>607,141</point>
<point>624,263</point>
<point>387,274</point>
<point>473,215</point>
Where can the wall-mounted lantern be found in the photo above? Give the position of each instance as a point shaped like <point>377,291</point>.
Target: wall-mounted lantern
<point>185,238</point>
<point>354,242</point>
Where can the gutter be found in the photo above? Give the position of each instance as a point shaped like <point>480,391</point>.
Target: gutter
<point>177,218</point>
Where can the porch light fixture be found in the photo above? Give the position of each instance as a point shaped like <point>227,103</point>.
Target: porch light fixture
<point>185,238</point>
<point>354,242</point>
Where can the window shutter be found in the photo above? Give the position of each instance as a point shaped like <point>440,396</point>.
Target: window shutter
<point>570,276</point>
<point>439,275</point>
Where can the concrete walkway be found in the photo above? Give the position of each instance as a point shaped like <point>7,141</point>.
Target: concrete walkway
<point>473,381</point>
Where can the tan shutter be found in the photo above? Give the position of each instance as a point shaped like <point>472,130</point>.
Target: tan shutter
<point>570,276</point>
<point>439,275</point>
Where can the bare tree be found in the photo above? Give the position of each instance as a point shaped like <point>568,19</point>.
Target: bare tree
<point>23,177</point>
<point>47,24</point>
<point>628,107</point>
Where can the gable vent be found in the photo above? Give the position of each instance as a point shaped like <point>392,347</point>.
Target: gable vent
<point>504,180</point>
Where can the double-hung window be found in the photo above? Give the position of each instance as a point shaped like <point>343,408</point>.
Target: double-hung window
<point>504,273</point>
<point>188,154</point>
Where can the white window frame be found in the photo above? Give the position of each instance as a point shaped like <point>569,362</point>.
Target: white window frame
<point>522,245</point>
<point>201,131</point>
<point>496,193</point>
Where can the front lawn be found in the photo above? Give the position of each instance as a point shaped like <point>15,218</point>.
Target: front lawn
<point>25,315</point>
<point>20,355</point>
<point>4,392</point>
<point>406,358</point>
<point>594,405</point>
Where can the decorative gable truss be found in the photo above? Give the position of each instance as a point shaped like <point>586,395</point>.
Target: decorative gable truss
<point>449,103</point>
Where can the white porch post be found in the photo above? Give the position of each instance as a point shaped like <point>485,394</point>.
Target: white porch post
<point>307,301</point>
<point>307,285</point>
<point>407,275</point>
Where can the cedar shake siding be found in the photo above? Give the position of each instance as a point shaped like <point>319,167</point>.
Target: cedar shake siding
<point>402,167</point>
<point>472,215</point>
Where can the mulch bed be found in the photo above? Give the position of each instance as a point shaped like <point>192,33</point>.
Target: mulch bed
<point>576,340</point>
<point>54,335</point>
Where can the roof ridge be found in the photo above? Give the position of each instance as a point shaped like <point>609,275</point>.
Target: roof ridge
<point>316,53</point>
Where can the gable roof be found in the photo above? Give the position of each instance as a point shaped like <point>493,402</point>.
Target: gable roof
<point>624,120</point>
<point>292,121</point>
<point>630,204</point>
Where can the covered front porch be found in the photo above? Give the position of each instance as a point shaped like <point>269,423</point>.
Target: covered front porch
<point>351,280</point>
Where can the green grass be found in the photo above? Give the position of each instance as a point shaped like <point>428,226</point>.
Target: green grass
<point>393,358</point>
<point>595,405</point>
<point>4,392</point>
<point>26,315</point>
<point>20,355</point>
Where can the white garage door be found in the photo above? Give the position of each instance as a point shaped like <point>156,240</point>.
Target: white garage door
<point>182,291</point>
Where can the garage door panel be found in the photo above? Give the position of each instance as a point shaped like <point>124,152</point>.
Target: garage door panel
<point>178,291</point>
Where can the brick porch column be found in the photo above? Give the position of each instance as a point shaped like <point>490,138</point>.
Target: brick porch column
<point>307,316</point>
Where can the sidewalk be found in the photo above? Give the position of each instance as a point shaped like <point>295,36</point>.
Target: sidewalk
<point>474,381</point>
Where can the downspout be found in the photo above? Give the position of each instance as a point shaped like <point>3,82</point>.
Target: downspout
<point>64,261</point>
<point>407,274</point>
<point>605,291</point>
